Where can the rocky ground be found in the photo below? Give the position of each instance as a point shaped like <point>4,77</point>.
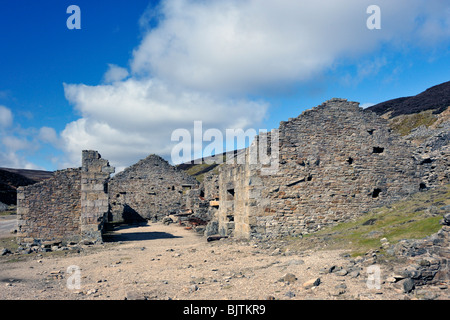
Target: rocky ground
<point>159,261</point>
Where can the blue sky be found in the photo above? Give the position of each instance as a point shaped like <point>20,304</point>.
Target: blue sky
<point>138,70</point>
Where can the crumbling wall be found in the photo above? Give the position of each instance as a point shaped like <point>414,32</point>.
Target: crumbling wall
<point>428,257</point>
<point>433,154</point>
<point>69,206</point>
<point>50,210</point>
<point>95,173</point>
<point>148,190</point>
<point>336,161</point>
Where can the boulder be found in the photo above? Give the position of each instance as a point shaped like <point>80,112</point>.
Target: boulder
<point>311,283</point>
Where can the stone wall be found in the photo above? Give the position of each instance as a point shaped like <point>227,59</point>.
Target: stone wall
<point>149,189</point>
<point>70,206</point>
<point>50,210</point>
<point>433,155</point>
<point>95,173</point>
<point>203,203</point>
<point>336,161</point>
<point>428,259</point>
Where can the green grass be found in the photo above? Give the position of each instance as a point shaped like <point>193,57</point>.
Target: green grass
<point>407,219</point>
<point>8,212</point>
<point>198,171</point>
<point>404,124</point>
<point>9,243</point>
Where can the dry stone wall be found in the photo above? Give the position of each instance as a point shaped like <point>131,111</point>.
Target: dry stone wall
<point>336,161</point>
<point>50,210</point>
<point>68,207</point>
<point>149,189</point>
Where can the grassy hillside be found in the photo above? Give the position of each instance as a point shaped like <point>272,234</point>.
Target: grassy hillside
<point>198,171</point>
<point>404,124</point>
<point>412,218</point>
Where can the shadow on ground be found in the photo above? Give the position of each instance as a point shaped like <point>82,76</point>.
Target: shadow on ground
<point>116,234</point>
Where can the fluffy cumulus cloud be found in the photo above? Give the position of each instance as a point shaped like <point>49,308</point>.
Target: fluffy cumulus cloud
<point>130,119</point>
<point>201,60</point>
<point>252,45</point>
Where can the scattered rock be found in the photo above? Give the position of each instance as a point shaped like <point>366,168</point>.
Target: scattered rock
<point>341,272</point>
<point>311,283</point>
<point>354,274</point>
<point>276,252</point>
<point>391,279</point>
<point>446,220</point>
<point>288,277</point>
<point>91,291</point>
<point>167,220</point>
<point>326,270</point>
<point>290,294</point>
<point>192,288</point>
<point>369,222</point>
<point>407,285</point>
<point>337,292</point>
<point>333,269</point>
<point>5,251</point>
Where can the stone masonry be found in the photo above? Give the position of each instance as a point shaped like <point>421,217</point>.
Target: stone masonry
<point>333,163</point>
<point>68,207</point>
<point>336,161</point>
<point>50,210</point>
<point>148,190</point>
<point>95,173</point>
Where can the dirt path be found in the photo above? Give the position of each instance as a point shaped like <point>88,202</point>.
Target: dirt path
<point>169,262</point>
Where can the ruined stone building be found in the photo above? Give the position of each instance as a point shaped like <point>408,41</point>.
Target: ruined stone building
<point>76,203</point>
<point>150,189</point>
<point>333,163</point>
<point>70,206</point>
<point>336,161</point>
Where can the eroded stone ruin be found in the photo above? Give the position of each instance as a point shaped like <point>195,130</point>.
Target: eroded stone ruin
<point>148,190</point>
<point>335,162</point>
<point>69,207</point>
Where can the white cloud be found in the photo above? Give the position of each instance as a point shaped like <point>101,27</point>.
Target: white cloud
<point>128,120</point>
<point>366,105</point>
<point>115,73</point>
<point>6,117</point>
<point>241,46</point>
<point>49,135</point>
<point>17,144</point>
